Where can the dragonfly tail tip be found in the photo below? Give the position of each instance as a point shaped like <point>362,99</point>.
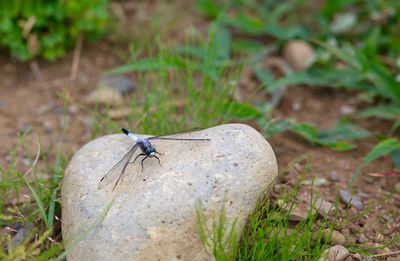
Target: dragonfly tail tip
<point>125,131</point>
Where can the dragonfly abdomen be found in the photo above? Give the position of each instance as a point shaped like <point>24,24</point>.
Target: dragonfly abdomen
<point>130,135</point>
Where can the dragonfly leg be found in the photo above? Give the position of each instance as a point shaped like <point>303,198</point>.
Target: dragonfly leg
<point>159,162</point>
<point>159,153</point>
<point>142,162</point>
<point>141,154</point>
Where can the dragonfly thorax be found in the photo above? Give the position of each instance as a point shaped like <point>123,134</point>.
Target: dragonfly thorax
<point>147,147</point>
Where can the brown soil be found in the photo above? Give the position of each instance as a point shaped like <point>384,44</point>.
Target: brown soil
<point>26,101</point>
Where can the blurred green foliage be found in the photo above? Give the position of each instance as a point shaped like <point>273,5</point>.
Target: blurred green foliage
<point>47,28</point>
<point>362,36</point>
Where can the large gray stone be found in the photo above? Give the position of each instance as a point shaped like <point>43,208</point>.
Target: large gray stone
<point>154,212</point>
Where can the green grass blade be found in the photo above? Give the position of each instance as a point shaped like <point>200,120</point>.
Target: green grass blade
<point>56,176</point>
<point>57,167</point>
<point>46,255</point>
<point>37,199</point>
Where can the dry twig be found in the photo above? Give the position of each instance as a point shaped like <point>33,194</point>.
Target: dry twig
<point>35,161</point>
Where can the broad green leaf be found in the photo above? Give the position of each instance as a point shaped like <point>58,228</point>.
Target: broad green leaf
<point>263,74</point>
<point>285,33</point>
<point>306,131</point>
<point>245,23</point>
<point>341,132</point>
<point>333,138</point>
<point>383,148</point>
<point>387,85</point>
<point>241,111</point>
<point>346,53</point>
<point>221,45</point>
<point>371,43</point>
<point>347,78</point>
<point>273,128</point>
<point>209,71</point>
<point>208,7</point>
<point>395,126</point>
<point>279,11</point>
<point>374,71</point>
<point>340,146</point>
<point>382,111</point>
<point>333,6</point>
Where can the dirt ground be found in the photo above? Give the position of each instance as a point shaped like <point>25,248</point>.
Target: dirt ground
<point>25,101</point>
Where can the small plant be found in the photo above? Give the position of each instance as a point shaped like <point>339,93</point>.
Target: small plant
<point>49,28</point>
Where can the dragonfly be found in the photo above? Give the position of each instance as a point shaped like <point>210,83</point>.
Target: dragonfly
<point>147,151</point>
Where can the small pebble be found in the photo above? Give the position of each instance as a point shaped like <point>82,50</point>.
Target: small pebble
<point>347,110</point>
<point>324,208</point>
<point>335,253</point>
<point>370,180</point>
<point>346,196</point>
<point>104,95</point>
<point>357,257</point>
<point>333,237</point>
<point>21,234</point>
<point>121,84</point>
<point>298,212</point>
<point>298,54</point>
<point>73,108</point>
<point>64,124</point>
<point>384,250</point>
<point>334,176</point>
<point>397,187</point>
<point>47,127</point>
<point>379,237</point>
<point>316,182</point>
<point>26,162</point>
<point>45,108</point>
<point>24,128</point>
<point>362,239</point>
<point>296,106</point>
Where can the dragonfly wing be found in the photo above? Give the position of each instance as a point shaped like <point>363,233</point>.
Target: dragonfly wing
<point>167,138</point>
<point>118,169</point>
<point>173,133</point>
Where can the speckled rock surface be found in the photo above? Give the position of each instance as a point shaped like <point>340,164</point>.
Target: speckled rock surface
<point>155,217</point>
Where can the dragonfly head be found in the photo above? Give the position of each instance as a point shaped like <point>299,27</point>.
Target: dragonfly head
<point>151,151</point>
